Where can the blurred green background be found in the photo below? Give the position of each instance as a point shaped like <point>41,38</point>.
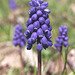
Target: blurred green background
<point>62,13</point>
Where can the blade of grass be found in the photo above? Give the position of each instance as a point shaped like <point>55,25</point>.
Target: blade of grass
<point>70,67</point>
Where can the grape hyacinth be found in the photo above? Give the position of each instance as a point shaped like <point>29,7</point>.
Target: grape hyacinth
<point>38,25</point>
<point>62,39</point>
<point>19,38</point>
<point>12,4</point>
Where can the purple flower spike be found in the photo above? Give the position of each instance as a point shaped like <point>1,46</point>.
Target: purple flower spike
<point>38,25</point>
<point>39,47</point>
<point>62,38</point>
<point>12,4</point>
<point>18,38</point>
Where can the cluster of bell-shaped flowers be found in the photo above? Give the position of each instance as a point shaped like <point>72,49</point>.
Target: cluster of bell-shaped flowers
<point>38,25</point>
<point>18,38</point>
<point>62,39</point>
<point>12,4</point>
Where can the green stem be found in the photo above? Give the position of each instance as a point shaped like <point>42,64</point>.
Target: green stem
<point>39,62</point>
<point>70,67</point>
<point>66,52</point>
<point>21,60</point>
<point>60,54</point>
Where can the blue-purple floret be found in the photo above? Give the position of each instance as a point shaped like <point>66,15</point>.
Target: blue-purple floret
<point>18,38</point>
<point>12,4</point>
<point>62,39</point>
<point>38,25</point>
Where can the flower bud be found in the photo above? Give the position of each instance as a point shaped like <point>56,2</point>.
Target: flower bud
<point>48,34</point>
<point>40,33</point>
<point>43,7</point>
<point>32,10</point>
<point>41,20</point>
<point>40,1</point>
<point>47,21</point>
<point>29,46</point>
<point>15,43</point>
<point>31,4</point>
<point>30,28</point>
<point>45,46</point>
<point>29,41</point>
<point>34,17</point>
<point>44,40</point>
<point>49,27</point>
<point>39,47</point>
<point>44,28</point>
<point>22,44</point>
<point>66,44</point>
<point>47,10</point>
<point>39,13</point>
<point>36,25</point>
<point>45,4</point>
<point>29,21</point>
<point>49,43</point>
<point>66,38</point>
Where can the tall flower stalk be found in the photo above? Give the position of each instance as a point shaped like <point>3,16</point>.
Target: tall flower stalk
<point>60,42</point>
<point>19,40</point>
<point>39,62</point>
<point>38,28</point>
